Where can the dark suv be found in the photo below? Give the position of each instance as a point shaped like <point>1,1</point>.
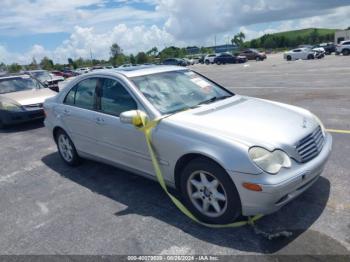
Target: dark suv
<point>329,48</point>
<point>253,54</point>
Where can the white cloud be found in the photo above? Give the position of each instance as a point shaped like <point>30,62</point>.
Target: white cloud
<point>200,18</point>
<point>84,40</point>
<point>50,16</point>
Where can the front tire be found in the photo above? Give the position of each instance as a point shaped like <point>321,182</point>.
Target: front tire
<point>289,58</point>
<point>310,57</point>
<point>346,52</point>
<point>209,192</point>
<point>67,149</point>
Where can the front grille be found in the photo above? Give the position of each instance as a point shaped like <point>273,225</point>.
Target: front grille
<point>310,146</point>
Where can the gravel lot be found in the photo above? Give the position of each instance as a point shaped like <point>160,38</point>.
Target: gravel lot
<point>49,208</point>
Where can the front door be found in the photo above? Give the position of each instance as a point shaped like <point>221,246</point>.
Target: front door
<point>120,143</point>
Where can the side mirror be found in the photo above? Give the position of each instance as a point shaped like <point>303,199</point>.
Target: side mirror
<point>133,117</point>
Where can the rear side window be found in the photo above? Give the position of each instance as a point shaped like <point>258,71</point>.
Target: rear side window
<point>115,99</point>
<point>83,94</point>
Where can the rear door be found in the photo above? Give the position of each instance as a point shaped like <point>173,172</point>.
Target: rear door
<point>78,114</point>
<point>120,143</point>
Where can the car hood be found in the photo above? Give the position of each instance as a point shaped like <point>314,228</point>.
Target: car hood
<point>251,121</point>
<point>29,97</point>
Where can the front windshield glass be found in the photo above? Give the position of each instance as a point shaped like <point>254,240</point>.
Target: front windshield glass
<point>174,91</point>
<point>42,75</point>
<point>10,85</point>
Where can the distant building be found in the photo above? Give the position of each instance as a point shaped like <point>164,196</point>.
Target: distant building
<point>341,35</point>
<point>223,48</point>
<point>191,50</point>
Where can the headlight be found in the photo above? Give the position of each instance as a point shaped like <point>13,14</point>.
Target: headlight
<point>270,162</point>
<point>9,105</point>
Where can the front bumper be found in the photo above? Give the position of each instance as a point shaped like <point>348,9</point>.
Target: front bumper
<point>10,118</point>
<point>276,191</point>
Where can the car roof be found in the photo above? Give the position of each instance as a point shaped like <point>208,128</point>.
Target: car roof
<point>33,71</point>
<point>141,70</point>
<point>9,76</point>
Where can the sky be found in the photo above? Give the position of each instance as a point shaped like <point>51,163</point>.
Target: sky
<point>62,29</point>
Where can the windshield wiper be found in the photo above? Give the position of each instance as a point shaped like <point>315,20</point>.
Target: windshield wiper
<point>213,99</point>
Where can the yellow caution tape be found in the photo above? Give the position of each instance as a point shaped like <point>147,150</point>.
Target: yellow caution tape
<point>339,131</point>
<point>146,126</point>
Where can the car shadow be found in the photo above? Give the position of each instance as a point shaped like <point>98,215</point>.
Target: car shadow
<point>146,198</point>
<point>23,127</point>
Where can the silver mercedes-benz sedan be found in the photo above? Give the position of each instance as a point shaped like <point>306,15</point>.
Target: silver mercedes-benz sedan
<point>226,154</point>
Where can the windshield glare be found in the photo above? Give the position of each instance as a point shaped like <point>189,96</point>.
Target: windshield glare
<point>174,91</point>
<point>18,84</point>
<point>42,75</point>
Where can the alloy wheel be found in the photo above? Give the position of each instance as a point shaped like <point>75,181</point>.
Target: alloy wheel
<point>207,193</point>
<point>65,147</point>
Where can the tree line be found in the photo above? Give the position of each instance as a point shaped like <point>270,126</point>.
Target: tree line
<point>274,41</point>
<point>118,57</point>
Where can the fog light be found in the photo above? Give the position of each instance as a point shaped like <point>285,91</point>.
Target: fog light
<point>252,187</point>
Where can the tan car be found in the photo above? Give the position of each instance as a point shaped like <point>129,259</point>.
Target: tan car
<point>21,99</point>
<point>253,54</point>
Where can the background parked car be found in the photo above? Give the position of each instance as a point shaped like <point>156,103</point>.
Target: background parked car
<point>299,53</point>
<point>21,99</point>
<point>343,48</point>
<point>225,58</point>
<point>82,70</point>
<point>44,77</point>
<point>196,59</point>
<point>319,51</point>
<point>253,54</point>
<point>175,61</point>
<point>328,47</point>
<point>209,59</point>
<point>189,61</point>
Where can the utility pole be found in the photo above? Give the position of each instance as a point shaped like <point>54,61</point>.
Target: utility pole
<point>91,56</point>
<point>215,43</point>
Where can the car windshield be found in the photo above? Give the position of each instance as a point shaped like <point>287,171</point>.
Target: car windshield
<point>10,85</point>
<point>42,75</point>
<point>175,91</point>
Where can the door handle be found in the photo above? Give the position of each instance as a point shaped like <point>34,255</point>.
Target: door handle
<point>100,121</point>
<point>66,112</point>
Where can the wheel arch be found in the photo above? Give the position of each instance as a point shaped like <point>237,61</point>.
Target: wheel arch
<point>55,131</point>
<point>185,159</point>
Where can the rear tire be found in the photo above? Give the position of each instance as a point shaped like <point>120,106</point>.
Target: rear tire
<point>67,149</point>
<point>218,62</point>
<point>209,193</point>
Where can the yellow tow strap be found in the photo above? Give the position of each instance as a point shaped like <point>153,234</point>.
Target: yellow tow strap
<point>146,126</point>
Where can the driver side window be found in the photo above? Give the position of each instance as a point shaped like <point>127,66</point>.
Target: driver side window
<point>114,98</point>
